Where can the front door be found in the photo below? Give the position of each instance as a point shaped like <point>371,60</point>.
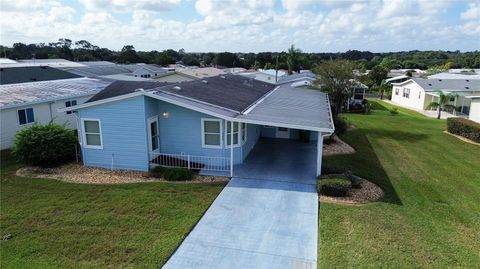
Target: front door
<point>282,132</point>
<point>153,134</point>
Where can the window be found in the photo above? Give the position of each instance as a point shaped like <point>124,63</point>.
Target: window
<point>25,116</point>
<point>154,135</point>
<point>406,92</point>
<point>211,133</point>
<point>92,133</point>
<point>235,133</point>
<point>69,104</point>
<point>244,132</point>
<point>397,90</point>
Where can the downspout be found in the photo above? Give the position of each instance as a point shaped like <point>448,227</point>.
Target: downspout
<point>231,148</point>
<point>80,135</point>
<point>320,151</point>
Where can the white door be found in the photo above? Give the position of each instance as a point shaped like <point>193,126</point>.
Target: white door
<point>282,132</point>
<point>153,134</point>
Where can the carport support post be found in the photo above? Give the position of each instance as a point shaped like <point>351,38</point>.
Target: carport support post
<point>319,153</point>
<point>231,148</point>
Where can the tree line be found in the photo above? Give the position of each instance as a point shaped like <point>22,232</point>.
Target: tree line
<point>292,59</point>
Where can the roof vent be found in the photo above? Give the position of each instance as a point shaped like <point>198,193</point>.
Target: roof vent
<point>467,88</point>
<point>176,88</point>
<point>429,84</point>
<point>33,79</point>
<point>139,90</point>
<point>204,81</point>
<point>439,80</point>
<point>467,80</point>
<point>222,76</point>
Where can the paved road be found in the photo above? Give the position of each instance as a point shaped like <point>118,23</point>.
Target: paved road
<point>259,221</point>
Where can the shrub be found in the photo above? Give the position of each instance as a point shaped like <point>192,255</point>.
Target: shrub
<point>334,185</point>
<point>356,181</point>
<point>341,125</point>
<point>45,145</point>
<point>172,174</point>
<point>463,127</point>
<point>393,111</point>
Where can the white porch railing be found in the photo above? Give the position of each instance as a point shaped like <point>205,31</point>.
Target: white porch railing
<point>192,162</point>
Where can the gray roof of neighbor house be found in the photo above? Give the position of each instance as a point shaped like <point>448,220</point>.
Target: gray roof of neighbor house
<point>12,95</point>
<point>11,75</point>
<point>121,87</point>
<point>98,70</point>
<point>293,106</point>
<point>228,91</point>
<point>307,75</point>
<point>447,84</point>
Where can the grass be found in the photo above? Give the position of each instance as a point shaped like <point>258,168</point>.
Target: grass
<point>64,225</point>
<point>430,216</point>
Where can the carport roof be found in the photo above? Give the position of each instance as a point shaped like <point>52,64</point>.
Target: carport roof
<point>291,107</point>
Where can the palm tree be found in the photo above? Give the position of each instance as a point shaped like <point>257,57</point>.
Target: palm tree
<point>443,103</point>
<point>293,59</point>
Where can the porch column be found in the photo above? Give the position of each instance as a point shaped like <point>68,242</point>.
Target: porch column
<point>463,101</point>
<point>231,148</point>
<point>319,153</point>
<point>455,105</point>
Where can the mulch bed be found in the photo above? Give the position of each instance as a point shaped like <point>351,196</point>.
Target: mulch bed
<point>338,147</point>
<point>464,139</point>
<point>368,192</point>
<point>77,173</point>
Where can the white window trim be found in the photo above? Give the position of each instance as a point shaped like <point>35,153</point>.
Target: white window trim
<point>246,132</point>
<point>149,122</point>
<point>84,135</point>
<point>203,133</point>
<point>227,137</point>
<point>26,117</point>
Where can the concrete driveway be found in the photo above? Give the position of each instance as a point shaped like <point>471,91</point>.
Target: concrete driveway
<point>270,221</point>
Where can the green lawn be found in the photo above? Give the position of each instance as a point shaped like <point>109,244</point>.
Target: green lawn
<point>63,225</point>
<point>430,217</point>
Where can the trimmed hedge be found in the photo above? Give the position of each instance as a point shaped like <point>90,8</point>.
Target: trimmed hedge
<point>463,127</point>
<point>334,185</point>
<point>45,145</point>
<point>172,174</point>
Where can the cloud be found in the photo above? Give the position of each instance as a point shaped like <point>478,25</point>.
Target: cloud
<point>473,12</point>
<point>251,25</point>
<point>129,5</point>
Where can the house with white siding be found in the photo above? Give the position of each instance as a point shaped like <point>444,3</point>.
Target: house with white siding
<point>418,93</point>
<point>208,125</point>
<point>24,104</point>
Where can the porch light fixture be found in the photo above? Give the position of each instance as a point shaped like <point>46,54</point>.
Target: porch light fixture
<point>165,115</point>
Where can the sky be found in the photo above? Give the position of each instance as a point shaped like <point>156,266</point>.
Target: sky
<point>248,25</point>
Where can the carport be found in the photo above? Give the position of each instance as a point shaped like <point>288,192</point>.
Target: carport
<point>287,109</point>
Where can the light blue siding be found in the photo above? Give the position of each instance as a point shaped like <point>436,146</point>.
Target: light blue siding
<point>124,135</point>
<point>268,132</point>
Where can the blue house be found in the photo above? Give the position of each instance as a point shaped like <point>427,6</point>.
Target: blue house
<point>208,125</point>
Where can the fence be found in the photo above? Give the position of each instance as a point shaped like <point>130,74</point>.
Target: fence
<point>192,162</point>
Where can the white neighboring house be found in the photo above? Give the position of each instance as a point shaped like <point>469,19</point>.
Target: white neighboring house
<point>149,71</point>
<point>418,93</point>
<point>24,104</point>
<point>474,108</point>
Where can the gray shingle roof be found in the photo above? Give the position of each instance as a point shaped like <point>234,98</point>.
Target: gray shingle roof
<point>11,75</point>
<point>308,75</point>
<point>228,91</point>
<point>121,87</point>
<point>448,84</point>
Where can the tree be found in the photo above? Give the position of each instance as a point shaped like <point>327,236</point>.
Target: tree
<point>443,103</point>
<point>338,80</point>
<point>293,59</point>
<point>129,55</point>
